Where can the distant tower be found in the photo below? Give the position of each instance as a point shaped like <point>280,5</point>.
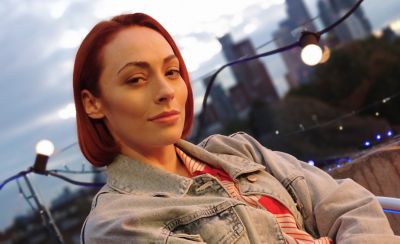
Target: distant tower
<point>298,15</point>
<point>221,103</point>
<point>251,76</point>
<point>340,6</point>
<point>298,20</point>
<point>356,26</point>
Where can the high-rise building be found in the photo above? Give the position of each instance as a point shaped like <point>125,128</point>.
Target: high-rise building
<point>354,27</point>
<point>298,19</point>
<point>298,16</point>
<point>251,76</point>
<point>344,6</point>
<point>224,110</point>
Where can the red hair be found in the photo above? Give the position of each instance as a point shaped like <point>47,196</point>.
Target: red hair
<point>95,140</point>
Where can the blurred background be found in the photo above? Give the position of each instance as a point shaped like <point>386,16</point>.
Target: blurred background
<point>341,115</point>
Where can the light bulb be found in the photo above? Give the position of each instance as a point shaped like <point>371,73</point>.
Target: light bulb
<point>45,147</point>
<point>326,54</point>
<point>311,54</point>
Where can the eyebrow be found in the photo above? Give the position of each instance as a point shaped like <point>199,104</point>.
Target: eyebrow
<point>143,64</point>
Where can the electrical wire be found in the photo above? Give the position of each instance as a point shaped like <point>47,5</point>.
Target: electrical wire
<point>54,174</point>
<point>391,211</point>
<point>15,177</point>
<point>67,171</point>
<point>245,59</point>
<point>345,116</point>
<point>74,182</point>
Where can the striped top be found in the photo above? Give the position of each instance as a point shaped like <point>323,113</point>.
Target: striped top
<point>285,219</point>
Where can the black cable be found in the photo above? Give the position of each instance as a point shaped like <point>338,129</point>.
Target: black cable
<point>344,116</point>
<point>79,183</point>
<point>14,177</point>
<point>241,60</point>
<point>52,173</point>
<point>245,59</point>
<point>330,27</point>
<point>67,171</point>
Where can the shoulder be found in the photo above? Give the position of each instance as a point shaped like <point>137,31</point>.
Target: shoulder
<point>244,145</point>
<point>237,143</point>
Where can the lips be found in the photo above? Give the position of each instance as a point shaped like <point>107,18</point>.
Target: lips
<point>168,115</point>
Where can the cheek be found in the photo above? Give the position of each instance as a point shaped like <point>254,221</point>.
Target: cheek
<point>125,109</point>
<point>183,94</point>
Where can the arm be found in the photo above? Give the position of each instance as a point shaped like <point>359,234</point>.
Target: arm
<point>116,220</point>
<point>342,209</point>
<point>345,211</point>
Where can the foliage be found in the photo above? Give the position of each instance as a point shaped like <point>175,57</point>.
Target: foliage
<point>358,74</point>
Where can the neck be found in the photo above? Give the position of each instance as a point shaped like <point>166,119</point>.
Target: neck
<point>164,158</point>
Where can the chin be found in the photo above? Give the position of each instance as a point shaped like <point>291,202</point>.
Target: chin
<point>168,137</point>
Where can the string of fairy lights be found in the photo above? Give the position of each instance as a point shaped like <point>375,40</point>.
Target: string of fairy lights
<point>311,54</point>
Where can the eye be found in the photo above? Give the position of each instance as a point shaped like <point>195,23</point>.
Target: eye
<point>136,80</point>
<point>173,73</point>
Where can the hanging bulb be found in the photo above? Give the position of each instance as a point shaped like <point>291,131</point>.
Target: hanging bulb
<point>326,54</point>
<point>311,53</point>
<point>44,149</point>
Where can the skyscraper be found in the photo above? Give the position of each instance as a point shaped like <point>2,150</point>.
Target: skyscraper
<point>221,103</point>
<point>251,76</point>
<point>298,16</point>
<point>298,19</point>
<point>354,27</point>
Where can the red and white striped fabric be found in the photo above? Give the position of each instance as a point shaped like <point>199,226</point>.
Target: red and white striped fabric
<point>284,217</point>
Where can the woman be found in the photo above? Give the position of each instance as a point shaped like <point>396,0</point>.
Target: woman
<point>134,107</point>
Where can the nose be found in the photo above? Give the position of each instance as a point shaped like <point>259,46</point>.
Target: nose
<point>165,91</point>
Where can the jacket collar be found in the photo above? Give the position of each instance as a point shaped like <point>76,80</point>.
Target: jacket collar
<point>128,175</point>
<point>233,165</point>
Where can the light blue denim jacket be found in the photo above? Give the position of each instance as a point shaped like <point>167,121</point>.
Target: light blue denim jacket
<point>143,204</point>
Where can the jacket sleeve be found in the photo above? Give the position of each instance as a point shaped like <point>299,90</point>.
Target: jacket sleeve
<point>340,209</point>
<point>114,223</point>
<point>344,210</point>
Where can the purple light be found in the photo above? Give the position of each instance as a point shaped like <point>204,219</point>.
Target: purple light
<point>389,133</point>
<point>378,137</point>
<point>311,162</point>
<point>367,143</point>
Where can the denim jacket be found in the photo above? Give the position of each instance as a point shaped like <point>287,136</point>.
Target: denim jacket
<point>143,204</point>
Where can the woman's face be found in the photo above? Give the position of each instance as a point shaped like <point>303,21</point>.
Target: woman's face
<point>143,96</point>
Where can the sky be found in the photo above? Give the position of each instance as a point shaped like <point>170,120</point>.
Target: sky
<point>39,40</point>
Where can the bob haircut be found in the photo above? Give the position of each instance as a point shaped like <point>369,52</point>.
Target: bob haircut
<point>95,140</point>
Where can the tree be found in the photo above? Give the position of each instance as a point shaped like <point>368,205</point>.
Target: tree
<point>357,75</point>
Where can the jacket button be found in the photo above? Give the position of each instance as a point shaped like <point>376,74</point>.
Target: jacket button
<point>252,178</point>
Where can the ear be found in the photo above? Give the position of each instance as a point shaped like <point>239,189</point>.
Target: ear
<point>92,105</point>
